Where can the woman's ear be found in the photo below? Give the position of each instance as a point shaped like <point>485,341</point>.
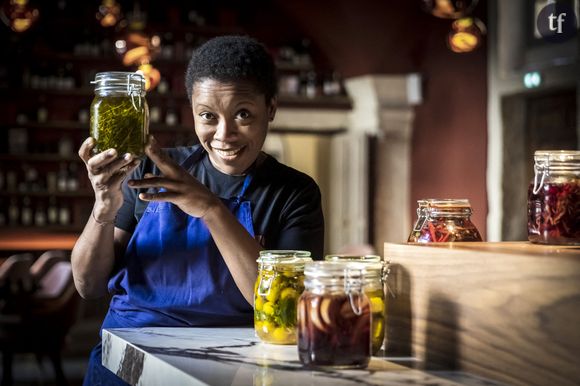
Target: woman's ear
<point>272,108</point>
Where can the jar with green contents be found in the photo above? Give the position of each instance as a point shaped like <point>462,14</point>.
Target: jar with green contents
<point>375,276</point>
<point>279,285</point>
<point>119,113</point>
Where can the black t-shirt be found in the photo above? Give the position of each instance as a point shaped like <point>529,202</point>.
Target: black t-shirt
<point>286,207</point>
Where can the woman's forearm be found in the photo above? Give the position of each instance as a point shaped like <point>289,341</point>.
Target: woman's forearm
<point>93,257</point>
<point>238,248</point>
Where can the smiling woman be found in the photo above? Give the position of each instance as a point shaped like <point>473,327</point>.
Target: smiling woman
<point>175,238</point>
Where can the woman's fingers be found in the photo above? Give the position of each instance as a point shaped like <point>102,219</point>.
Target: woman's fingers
<point>86,148</point>
<point>99,161</point>
<point>120,174</point>
<point>155,182</point>
<point>158,196</point>
<point>165,164</point>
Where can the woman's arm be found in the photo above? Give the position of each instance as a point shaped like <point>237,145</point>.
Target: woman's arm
<point>93,255</point>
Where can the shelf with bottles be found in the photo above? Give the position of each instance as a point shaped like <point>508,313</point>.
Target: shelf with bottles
<point>56,213</point>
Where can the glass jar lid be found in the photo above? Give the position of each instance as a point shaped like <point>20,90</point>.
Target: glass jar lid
<point>442,207</point>
<point>292,258</point>
<point>342,269</point>
<point>363,258</point>
<point>557,162</point>
<point>129,83</point>
<point>557,159</point>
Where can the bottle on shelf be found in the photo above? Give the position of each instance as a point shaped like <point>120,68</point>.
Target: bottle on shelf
<point>2,214</point>
<point>72,180</point>
<point>11,180</point>
<point>39,215</point>
<point>31,182</point>
<point>26,212</point>
<point>64,217</point>
<point>332,85</point>
<point>42,114</point>
<point>309,84</point>
<point>170,117</point>
<point>62,178</point>
<point>13,212</point>
<point>65,146</point>
<point>155,114</point>
<point>52,211</point>
<point>51,182</point>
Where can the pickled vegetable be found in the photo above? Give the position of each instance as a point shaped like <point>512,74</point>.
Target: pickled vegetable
<point>119,122</point>
<point>444,229</point>
<point>276,296</point>
<point>335,329</point>
<point>377,302</point>
<point>554,212</point>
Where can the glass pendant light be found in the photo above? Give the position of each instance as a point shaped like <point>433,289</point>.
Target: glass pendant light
<point>19,15</point>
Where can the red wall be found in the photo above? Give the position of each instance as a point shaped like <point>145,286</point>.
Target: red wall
<point>396,36</point>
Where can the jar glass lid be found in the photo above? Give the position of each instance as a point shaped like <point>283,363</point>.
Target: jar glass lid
<point>278,256</point>
<point>361,258</point>
<point>342,269</point>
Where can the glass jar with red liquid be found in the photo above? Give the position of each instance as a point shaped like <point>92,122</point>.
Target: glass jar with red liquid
<point>375,280</point>
<point>444,220</point>
<point>334,316</point>
<point>554,198</point>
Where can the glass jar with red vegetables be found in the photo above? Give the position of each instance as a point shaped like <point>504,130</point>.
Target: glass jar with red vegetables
<point>374,287</point>
<point>279,284</point>
<point>554,198</point>
<point>334,316</point>
<point>444,220</point>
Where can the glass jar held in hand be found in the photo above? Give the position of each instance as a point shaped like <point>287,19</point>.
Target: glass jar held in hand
<point>119,113</point>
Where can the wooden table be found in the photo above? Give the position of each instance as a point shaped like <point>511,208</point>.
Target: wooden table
<point>506,311</point>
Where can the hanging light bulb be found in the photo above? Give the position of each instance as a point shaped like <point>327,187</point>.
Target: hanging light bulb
<point>449,9</point>
<point>18,15</point>
<point>466,34</point>
<point>109,13</point>
<point>139,49</point>
<point>151,74</point>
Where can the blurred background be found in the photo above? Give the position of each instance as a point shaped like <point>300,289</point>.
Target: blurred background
<point>381,102</point>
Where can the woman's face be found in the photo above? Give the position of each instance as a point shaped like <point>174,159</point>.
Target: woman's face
<point>231,122</point>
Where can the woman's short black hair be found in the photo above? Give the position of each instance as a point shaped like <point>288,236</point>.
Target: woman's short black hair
<point>233,59</point>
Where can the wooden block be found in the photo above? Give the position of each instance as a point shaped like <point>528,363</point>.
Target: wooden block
<point>506,311</point>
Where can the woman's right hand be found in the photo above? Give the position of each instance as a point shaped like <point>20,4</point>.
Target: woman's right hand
<point>106,172</point>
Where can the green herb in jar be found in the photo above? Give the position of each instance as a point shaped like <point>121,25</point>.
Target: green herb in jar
<point>119,113</point>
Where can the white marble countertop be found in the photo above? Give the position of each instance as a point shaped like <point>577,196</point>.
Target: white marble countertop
<point>234,356</point>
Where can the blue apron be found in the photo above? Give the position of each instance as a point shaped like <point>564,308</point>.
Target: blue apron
<point>173,275</point>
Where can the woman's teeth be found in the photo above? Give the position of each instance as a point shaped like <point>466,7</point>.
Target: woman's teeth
<point>228,152</point>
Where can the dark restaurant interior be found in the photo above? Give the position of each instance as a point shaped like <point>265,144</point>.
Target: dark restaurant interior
<point>379,102</point>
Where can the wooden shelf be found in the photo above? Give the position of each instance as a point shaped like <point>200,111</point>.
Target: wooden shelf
<point>86,194</point>
<point>507,311</point>
<point>38,239</point>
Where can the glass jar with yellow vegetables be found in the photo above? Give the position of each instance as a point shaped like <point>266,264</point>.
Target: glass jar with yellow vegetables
<point>375,275</point>
<point>279,285</point>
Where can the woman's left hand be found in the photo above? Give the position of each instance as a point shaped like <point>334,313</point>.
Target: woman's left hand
<point>180,188</point>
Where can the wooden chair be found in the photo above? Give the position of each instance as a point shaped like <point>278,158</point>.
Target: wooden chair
<point>43,317</point>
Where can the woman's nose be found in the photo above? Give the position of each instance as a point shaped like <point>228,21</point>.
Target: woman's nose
<point>226,130</point>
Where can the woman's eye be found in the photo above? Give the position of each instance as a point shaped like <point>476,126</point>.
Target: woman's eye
<point>206,116</point>
<point>244,114</point>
